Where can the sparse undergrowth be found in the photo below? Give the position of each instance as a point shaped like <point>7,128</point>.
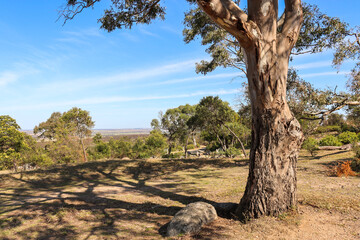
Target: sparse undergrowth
<point>131,199</point>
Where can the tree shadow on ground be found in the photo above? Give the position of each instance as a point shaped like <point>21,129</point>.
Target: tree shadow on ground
<point>336,152</point>
<point>57,195</point>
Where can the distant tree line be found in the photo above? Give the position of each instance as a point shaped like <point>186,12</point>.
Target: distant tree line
<point>211,122</point>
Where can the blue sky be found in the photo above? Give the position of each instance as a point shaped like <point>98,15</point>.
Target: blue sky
<point>123,78</point>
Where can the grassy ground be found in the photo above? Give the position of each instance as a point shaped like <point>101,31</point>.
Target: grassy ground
<point>126,199</point>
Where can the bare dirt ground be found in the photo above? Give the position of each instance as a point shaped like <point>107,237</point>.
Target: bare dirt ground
<point>129,199</point>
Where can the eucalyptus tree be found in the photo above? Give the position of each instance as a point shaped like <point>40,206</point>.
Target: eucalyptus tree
<point>51,128</point>
<point>174,125</point>
<point>349,49</point>
<point>79,122</point>
<point>59,127</point>
<point>265,44</point>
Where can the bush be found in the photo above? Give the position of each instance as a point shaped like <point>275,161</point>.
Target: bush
<point>190,146</point>
<point>358,136</point>
<point>232,152</point>
<point>8,159</point>
<point>101,150</point>
<point>120,148</point>
<point>326,129</point>
<point>41,160</point>
<point>330,140</point>
<point>348,137</point>
<point>311,145</point>
<point>64,151</point>
<point>346,127</point>
<point>156,143</point>
<point>344,168</point>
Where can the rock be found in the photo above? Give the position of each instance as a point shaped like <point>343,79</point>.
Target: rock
<point>191,218</point>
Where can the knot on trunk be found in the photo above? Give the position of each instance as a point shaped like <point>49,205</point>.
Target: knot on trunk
<point>294,130</point>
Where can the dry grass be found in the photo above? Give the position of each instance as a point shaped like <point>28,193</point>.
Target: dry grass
<point>126,199</point>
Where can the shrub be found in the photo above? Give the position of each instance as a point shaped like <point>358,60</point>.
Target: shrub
<point>41,160</point>
<point>326,129</point>
<point>120,148</point>
<point>232,152</point>
<point>358,136</point>
<point>101,150</point>
<point>311,145</point>
<point>344,168</point>
<point>330,140</point>
<point>64,151</point>
<point>190,146</point>
<point>9,159</point>
<point>155,143</point>
<point>348,137</point>
<point>346,127</point>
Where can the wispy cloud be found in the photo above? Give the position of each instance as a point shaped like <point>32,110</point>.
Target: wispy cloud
<point>313,65</point>
<point>80,37</point>
<point>199,78</point>
<point>118,99</point>
<point>130,76</point>
<point>321,74</point>
<point>146,32</point>
<point>14,75</point>
<point>172,29</point>
<point>8,77</point>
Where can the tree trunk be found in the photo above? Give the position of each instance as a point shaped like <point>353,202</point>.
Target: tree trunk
<point>169,149</point>
<point>276,134</point>
<point>239,140</point>
<point>223,144</point>
<point>194,139</point>
<point>83,148</point>
<point>276,139</point>
<point>185,147</point>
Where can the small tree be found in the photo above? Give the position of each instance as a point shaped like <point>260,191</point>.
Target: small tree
<point>61,128</point>
<point>214,115</point>
<point>155,143</point>
<point>174,124</point>
<point>52,127</point>
<point>311,145</point>
<point>79,122</point>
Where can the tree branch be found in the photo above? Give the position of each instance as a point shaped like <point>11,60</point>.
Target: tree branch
<point>281,21</point>
<point>73,8</point>
<point>292,24</point>
<point>239,140</point>
<point>320,115</point>
<point>228,15</point>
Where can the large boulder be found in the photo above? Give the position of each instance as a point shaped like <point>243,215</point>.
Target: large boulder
<point>191,218</point>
